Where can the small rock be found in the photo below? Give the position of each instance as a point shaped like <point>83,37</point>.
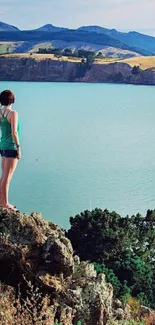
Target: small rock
<point>119,314</point>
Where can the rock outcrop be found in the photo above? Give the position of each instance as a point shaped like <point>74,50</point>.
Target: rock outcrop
<point>119,72</point>
<point>35,68</point>
<point>30,69</point>
<point>35,251</point>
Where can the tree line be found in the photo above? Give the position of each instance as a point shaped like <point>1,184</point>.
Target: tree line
<point>68,52</point>
<point>121,247</point>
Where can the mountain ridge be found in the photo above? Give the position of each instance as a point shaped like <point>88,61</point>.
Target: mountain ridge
<point>69,35</point>
<point>50,28</point>
<point>132,41</point>
<point>7,27</point>
<point>131,38</point>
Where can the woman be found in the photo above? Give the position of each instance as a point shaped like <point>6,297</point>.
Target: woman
<point>9,145</point>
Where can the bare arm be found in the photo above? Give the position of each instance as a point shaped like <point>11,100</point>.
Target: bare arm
<point>14,123</point>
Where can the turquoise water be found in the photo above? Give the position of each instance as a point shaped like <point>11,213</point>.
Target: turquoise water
<point>84,146</point>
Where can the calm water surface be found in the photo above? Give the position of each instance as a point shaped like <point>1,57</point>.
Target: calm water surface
<point>84,146</point>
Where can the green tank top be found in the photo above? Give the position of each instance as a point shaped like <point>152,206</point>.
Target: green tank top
<point>7,142</point>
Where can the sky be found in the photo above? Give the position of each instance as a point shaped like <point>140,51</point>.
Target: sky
<point>123,15</point>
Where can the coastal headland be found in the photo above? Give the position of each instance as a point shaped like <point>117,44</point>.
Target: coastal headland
<point>48,67</point>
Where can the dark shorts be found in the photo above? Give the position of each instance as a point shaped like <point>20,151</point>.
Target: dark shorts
<point>9,153</point>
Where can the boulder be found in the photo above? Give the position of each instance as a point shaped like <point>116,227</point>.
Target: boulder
<point>36,256</point>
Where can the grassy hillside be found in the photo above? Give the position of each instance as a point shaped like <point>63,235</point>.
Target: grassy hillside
<point>69,36</point>
<point>40,57</point>
<point>144,62</point>
<point>9,47</point>
<point>25,47</point>
<point>141,61</point>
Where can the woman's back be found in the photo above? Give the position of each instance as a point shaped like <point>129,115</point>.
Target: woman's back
<point>7,142</point>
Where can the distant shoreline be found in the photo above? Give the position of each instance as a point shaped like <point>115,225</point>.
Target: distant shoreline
<point>47,68</point>
<point>82,82</point>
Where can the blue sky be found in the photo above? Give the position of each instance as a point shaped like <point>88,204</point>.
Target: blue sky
<point>120,14</point>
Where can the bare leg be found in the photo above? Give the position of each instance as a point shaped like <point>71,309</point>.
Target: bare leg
<point>8,168</point>
<point>1,199</point>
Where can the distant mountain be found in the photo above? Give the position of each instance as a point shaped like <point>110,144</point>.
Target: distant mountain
<point>97,29</point>
<point>7,28</point>
<point>50,28</point>
<point>69,36</point>
<point>86,36</point>
<point>150,32</point>
<point>134,39</point>
<point>139,40</point>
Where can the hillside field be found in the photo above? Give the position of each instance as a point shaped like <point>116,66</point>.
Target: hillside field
<point>144,62</point>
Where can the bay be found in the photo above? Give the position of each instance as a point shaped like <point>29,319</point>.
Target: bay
<point>84,146</point>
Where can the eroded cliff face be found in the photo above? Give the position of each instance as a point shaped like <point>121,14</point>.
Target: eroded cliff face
<point>34,254</point>
<point>31,69</point>
<point>120,73</point>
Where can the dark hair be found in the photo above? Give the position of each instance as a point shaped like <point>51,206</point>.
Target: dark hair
<point>7,97</point>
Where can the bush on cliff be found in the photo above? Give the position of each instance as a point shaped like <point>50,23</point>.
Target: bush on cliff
<point>125,245</point>
<point>135,69</point>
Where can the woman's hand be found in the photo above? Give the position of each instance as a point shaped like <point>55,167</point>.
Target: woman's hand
<point>18,153</point>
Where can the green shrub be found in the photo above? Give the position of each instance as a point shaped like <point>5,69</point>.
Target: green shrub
<point>121,247</point>
<point>110,277</point>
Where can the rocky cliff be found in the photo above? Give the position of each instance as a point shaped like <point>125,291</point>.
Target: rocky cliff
<point>29,68</point>
<point>119,73</point>
<point>43,282</point>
